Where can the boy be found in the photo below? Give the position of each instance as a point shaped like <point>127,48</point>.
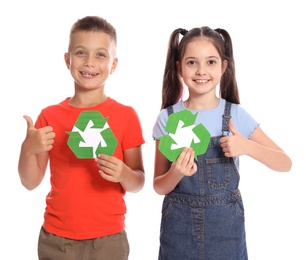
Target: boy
<point>93,145</point>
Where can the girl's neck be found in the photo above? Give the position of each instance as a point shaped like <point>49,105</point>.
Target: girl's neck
<point>201,104</point>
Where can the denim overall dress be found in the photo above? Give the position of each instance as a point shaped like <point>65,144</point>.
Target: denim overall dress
<point>203,217</point>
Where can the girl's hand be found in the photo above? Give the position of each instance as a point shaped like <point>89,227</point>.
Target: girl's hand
<point>234,145</point>
<point>185,164</point>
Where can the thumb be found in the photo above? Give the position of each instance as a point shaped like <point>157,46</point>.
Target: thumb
<point>29,121</point>
<point>232,128</point>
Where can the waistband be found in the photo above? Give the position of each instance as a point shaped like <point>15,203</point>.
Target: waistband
<point>198,201</point>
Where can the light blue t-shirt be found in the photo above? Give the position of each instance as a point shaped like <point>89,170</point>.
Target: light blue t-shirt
<point>211,119</point>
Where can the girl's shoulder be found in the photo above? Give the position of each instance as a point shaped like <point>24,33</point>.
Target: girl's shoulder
<point>243,121</point>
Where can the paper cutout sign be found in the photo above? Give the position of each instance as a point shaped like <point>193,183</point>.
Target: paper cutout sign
<point>183,133</point>
<point>91,135</point>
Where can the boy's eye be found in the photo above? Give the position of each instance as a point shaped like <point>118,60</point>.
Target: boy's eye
<point>80,52</point>
<point>101,55</point>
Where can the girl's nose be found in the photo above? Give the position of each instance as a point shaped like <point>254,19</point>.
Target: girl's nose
<point>201,70</point>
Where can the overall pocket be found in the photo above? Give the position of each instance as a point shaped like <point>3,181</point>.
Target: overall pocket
<point>218,172</point>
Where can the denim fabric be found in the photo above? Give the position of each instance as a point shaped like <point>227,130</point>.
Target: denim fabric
<point>203,217</point>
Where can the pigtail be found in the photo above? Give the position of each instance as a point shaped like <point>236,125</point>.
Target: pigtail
<point>228,84</point>
<point>172,89</point>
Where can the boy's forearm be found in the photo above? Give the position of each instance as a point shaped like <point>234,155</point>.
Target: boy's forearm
<point>134,182</point>
<point>30,172</point>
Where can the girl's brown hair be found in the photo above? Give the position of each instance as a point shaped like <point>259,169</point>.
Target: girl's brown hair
<point>172,89</point>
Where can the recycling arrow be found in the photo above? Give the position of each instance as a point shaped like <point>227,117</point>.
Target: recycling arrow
<point>183,133</point>
<point>91,135</point>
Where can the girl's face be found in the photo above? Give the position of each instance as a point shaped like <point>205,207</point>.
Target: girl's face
<point>91,59</point>
<point>201,67</point>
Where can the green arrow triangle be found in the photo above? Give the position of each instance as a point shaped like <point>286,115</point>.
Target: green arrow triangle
<point>195,136</point>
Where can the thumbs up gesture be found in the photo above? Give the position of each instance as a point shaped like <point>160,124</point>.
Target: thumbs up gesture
<point>235,144</point>
<point>38,140</point>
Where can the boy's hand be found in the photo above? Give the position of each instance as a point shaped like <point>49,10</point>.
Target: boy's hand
<point>38,140</point>
<point>111,168</point>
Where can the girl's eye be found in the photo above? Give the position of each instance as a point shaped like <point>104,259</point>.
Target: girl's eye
<point>191,62</point>
<point>211,62</point>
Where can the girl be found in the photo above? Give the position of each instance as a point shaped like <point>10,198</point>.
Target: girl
<point>202,213</point>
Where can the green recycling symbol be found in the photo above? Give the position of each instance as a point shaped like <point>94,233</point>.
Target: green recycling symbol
<point>91,135</point>
<point>183,133</point>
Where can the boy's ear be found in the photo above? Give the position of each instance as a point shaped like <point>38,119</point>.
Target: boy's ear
<point>114,65</point>
<point>67,59</point>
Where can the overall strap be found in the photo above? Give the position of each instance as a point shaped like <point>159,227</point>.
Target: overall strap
<point>226,118</point>
<point>170,110</point>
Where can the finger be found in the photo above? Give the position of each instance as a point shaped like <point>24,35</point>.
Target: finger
<point>192,157</point>
<point>184,156</point>
<point>29,120</point>
<point>48,131</point>
<point>189,157</point>
<point>232,128</point>
<point>223,139</point>
<point>106,158</point>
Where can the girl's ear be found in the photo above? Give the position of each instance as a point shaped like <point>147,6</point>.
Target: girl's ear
<point>178,67</point>
<point>224,66</point>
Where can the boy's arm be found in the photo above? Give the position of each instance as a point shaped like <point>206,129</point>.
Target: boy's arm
<point>129,173</point>
<point>32,168</point>
<point>34,154</point>
<point>134,181</point>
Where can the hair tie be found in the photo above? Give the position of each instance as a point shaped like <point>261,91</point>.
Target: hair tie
<point>219,31</point>
<point>183,32</point>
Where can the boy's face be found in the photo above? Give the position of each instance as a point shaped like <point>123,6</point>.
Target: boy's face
<point>91,59</point>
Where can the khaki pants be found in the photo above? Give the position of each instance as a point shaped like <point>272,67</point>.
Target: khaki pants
<point>113,247</point>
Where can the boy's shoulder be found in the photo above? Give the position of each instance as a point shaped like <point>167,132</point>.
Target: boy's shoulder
<point>109,104</point>
<point>56,105</point>
<point>119,105</point>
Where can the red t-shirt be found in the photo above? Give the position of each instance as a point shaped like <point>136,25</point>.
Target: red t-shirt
<point>81,204</point>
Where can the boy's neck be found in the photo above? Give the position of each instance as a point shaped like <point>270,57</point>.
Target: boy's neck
<point>83,101</point>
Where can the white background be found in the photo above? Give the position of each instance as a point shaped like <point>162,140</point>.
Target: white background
<point>269,47</point>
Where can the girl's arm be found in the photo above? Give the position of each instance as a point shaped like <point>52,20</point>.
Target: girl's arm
<point>260,147</point>
<point>167,175</point>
